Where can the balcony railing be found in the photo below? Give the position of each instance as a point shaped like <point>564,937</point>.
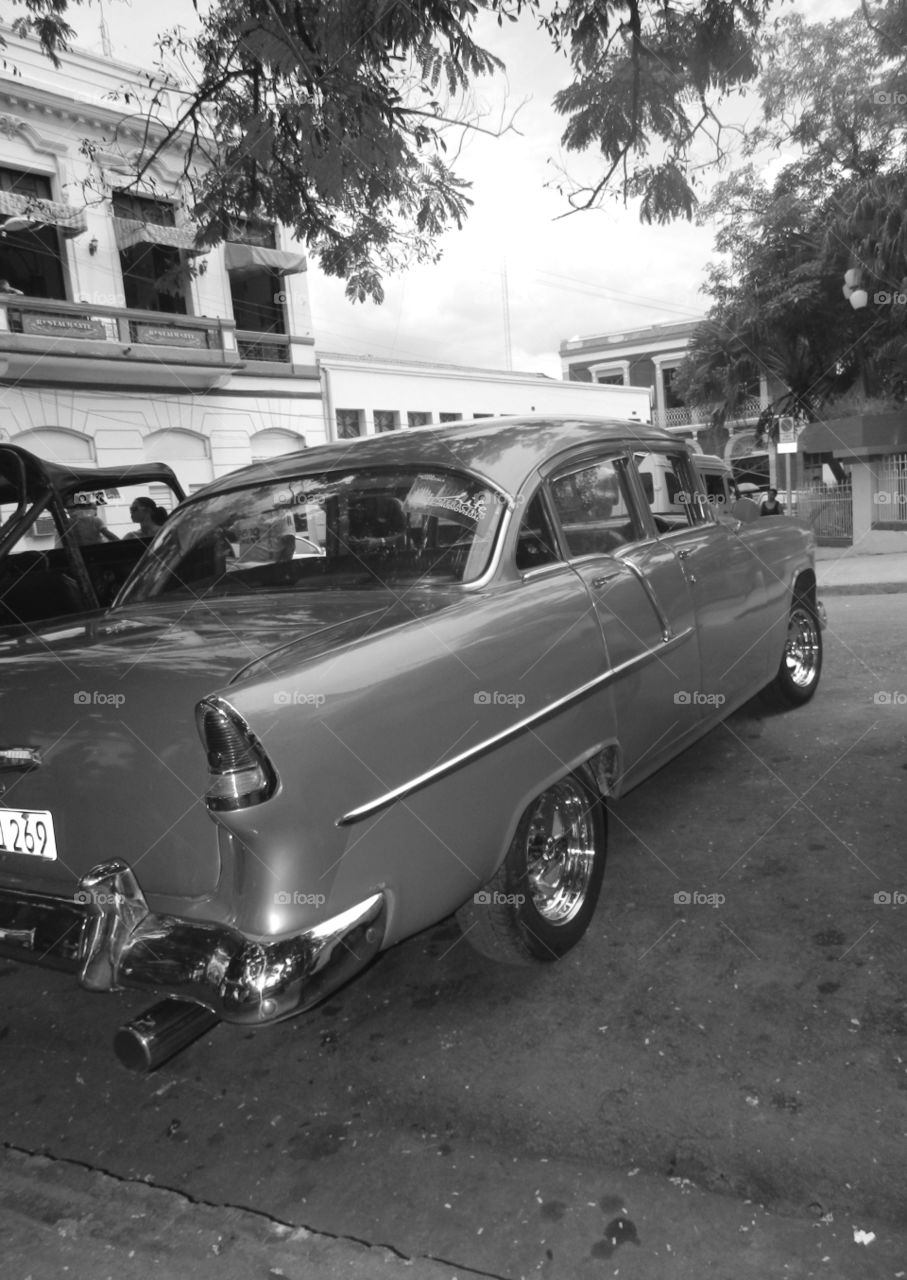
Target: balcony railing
<point>271,347</point>
<point>700,415</point>
<point>89,330</point>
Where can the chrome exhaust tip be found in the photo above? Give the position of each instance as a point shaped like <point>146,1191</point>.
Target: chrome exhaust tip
<point>150,1040</point>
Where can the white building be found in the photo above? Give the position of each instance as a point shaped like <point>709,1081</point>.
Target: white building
<point>111,349</point>
<point>364,395</point>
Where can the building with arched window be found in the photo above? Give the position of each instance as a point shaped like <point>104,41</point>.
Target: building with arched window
<point>120,339</point>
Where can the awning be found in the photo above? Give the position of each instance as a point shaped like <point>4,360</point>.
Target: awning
<point>39,213</point>
<point>130,231</point>
<point>251,257</point>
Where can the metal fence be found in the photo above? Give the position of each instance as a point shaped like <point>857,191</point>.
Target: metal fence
<point>828,509</point>
<point>889,501</point>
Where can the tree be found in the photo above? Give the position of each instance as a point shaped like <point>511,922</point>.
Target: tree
<point>334,118</point>
<point>840,202</point>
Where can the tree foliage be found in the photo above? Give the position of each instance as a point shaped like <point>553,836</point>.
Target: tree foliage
<point>829,102</point>
<point>334,118</point>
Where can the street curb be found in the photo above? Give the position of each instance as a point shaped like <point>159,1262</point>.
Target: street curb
<point>61,1218</point>
<point>861,589</point>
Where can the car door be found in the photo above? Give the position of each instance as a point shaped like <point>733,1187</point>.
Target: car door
<point>725,578</point>
<point>643,604</point>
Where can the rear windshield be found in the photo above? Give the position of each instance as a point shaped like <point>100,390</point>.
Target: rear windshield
<point>324,532</point>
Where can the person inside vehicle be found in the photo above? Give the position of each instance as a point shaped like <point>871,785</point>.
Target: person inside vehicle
<point>377,524</point>
<point>148,516</point>
<point>84,526</point>
<point>771,506</point>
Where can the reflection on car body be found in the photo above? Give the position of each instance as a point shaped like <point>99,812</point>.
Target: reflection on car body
<point>315,756</point>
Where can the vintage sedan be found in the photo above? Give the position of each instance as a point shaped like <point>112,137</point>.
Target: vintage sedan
<point>259,769</point>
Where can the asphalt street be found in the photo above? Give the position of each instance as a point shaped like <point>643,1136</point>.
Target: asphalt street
<point>713,1083</point>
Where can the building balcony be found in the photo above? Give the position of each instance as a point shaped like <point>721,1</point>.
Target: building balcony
<point>47,341</point>
<point>699,417</point>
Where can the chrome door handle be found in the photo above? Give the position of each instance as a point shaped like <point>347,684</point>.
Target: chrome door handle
<point>684,552</point>
<point>605,578</point>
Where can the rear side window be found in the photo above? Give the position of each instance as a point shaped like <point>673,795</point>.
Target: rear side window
<point>536,545</point>
<point>593,508</point>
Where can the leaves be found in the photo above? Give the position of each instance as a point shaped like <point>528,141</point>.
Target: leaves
<point>333,117</point>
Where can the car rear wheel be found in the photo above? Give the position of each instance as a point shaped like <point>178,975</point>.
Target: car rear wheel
<point>801,662</point>
<point>540,902</point>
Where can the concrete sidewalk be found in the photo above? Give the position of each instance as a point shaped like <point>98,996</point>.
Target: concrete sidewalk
<point>844,571</point>
<point>59,1219</point>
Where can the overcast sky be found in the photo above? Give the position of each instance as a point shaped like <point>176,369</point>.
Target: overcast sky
<point>594,272</point>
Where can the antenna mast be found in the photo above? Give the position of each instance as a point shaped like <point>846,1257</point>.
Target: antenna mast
<point>105,34</point>
<point>505,300</point>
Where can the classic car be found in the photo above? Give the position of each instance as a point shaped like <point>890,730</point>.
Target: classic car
<point>46,569</point>
<point>257,770</point>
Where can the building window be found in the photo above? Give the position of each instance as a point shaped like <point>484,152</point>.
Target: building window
<point>386,420</point>
<point>256,288</point>
<point>417,419</point>
<point>610,379</point>
<point>31,258</point>
<point>349,424</point>
<point>450,417</point>
<point>672,399</point>
<point>154,275</point>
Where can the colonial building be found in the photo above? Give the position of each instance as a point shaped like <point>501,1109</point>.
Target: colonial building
<point>119,340</point>
<point>650,357</point>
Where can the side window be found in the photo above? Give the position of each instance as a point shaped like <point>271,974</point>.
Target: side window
<point>593,509</point>
<point>536,544</point>
<point>671,486</point>
<point>716,490</point>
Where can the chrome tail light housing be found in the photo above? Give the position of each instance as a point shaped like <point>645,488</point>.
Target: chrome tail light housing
<point>239,771</point>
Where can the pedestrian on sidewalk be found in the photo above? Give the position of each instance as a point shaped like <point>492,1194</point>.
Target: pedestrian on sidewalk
<point>771,506</point>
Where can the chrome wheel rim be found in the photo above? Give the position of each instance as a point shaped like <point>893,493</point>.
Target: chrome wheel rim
<point>801,653</point>
<point>560,851</point>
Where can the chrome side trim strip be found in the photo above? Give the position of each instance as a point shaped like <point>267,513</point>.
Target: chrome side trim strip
<point>522,726</point>
<point>667,630</point>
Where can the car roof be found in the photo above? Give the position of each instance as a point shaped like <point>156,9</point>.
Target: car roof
<point>504,450</point>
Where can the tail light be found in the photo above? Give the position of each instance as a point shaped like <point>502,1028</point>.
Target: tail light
<point>239,770</point>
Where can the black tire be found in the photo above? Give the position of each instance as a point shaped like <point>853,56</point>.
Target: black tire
<point>539,903</point>
<point>801,662</point>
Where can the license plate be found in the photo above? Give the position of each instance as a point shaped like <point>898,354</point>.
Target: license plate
<point>28,831</point>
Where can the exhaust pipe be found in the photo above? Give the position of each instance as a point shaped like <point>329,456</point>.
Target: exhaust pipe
<point>148,1041</point>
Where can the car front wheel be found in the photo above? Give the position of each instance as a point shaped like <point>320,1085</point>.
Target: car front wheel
<point>801,662</point>
<point>540,901</point>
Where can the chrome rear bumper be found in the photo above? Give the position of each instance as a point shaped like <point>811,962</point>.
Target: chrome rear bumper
<point>108,934</point>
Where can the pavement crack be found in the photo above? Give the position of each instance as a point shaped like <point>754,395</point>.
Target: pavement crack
<point>36,1161</point>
